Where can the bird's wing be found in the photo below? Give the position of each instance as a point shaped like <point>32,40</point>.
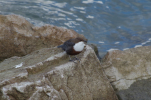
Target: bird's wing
<point>69,43</point>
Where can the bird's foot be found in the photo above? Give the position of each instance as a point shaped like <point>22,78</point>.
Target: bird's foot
<point>74,59</point>
<point>71,60</point>
<point>77,59</point>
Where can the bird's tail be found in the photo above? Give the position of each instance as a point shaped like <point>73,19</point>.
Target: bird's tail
<point>60,46</point>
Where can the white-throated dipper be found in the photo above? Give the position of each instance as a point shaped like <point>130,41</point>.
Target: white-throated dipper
<point>73,46</point>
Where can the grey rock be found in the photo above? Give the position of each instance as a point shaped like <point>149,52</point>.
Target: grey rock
<point>139,90</point>
<point>94,47</point>
<point>128,70</point>
<point>47,74</point>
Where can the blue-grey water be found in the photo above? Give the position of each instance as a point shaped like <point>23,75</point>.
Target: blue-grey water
<point>110,24</point>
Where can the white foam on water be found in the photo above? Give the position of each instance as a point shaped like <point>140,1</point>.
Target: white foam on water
<point>71,23</point>
<point>119,26</point>
<point>112,49</point>
<point>79,19</point>
<point>125,48</point>
<point>149,39</point>
<point>82,12</point>
<point>89,16</point>
<point>81,8</point>
<point>116,42</point>
<point>107,6</point>
<point>143,43</point>
<point>138,46</point>
<point>60,5</point>
<point>92,1</point>
<point>101,42</point>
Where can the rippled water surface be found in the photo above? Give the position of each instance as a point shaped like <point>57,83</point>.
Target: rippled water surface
<point>110,24</point>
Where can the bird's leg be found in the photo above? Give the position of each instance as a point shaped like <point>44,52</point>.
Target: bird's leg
<point>74,59</point>
<point>77,58</point>
<point>70,58</point>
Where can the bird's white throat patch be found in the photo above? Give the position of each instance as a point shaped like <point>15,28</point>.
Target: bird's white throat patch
<point>79,46</point>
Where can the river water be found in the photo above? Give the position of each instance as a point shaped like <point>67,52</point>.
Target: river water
<point>110,24</point>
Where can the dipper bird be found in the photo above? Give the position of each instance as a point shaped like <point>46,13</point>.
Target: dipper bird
<point>73,46</point>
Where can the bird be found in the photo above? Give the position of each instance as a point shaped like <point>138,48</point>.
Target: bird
<point>73,46</point>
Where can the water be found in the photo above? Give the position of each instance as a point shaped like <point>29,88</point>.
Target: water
<point>110,24</point>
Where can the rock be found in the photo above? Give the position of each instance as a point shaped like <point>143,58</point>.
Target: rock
<point>46,74</point>
<point>128,71</point>
<point>38,70</point>
<point>139,90</point>
<point>18,37</point>
<point>94,47</point>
